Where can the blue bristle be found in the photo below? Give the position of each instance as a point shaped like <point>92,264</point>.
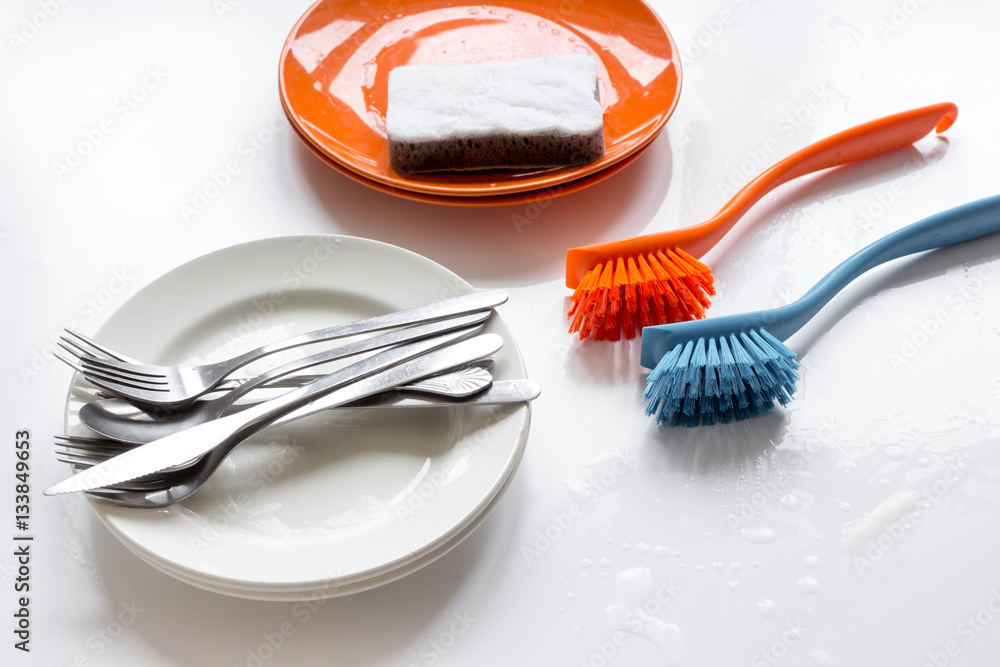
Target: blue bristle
<point>662,380</point>
<point>721,380</point>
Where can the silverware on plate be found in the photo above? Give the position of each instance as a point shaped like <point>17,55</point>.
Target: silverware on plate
<point>209,443</point>
<point>175,386</point>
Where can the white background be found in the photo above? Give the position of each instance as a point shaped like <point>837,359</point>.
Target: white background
<point>741,528</point>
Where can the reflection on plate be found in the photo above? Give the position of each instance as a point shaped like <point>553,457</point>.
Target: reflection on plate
<point>520,198</point>
<point>332,504</point>
<point>334,70</point>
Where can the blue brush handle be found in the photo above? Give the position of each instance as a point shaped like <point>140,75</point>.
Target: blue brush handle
<point>962,223</point>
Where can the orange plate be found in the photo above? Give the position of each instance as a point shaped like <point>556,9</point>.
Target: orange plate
<point>486,200</point>
<point>334,70</point>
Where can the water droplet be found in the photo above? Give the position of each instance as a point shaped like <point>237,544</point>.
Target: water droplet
<point>844,506</point>
<point>542,24</point>
<point>790,501</point>
<point>717,566</point>
<point>766,608</point>
<point>758,535</point>
<point>808,584</point>
<point>926,463</point>
<point>736,566</point>
<point>700,568</point>
<point>895,453</point>
<point>605,562</point>
<point>733,585</point>
<point>368,71</point>
<point>586,562</point>
<point>643,548</point>
<point>661,551</point>
<point>812,561</point>
<point>473,10</point>
<point>822,659</point>
<point>580,48</point>
<point>555,31</point>
<point>626,546</point>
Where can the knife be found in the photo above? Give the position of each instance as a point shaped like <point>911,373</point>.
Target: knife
<point>385,370</point>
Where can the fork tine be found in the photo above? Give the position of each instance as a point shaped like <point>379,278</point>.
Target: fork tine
<point>84,452</point>
<point>107,351</point>
<point>72,364</point>
<point>87,444</point>
<point>113,373</point>
<point>115,379</point>
<point>137,485</point>
<point>73,347</point>
<point>119,388</point>
<point>115,367</point>
<point>147,398</point>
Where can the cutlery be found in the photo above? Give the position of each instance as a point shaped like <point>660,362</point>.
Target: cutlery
<point>385,370</point>
<point>174,386</point>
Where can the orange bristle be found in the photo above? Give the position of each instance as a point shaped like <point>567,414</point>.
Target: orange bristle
<point>623,295</point>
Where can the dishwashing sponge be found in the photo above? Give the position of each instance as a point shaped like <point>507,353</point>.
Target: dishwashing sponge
<point>536,112</point>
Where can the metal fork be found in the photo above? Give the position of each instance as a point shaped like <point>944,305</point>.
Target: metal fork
<point>200,451</point>
<point>217,406</point>
<point>171,386</point>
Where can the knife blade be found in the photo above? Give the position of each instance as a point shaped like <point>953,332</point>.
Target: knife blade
<point>385,370</point>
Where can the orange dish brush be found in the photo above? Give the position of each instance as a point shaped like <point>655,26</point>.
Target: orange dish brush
<point>625,285</point>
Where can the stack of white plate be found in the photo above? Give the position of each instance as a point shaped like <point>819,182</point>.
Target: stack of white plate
<point>335,64</point>
<point>336,503</point>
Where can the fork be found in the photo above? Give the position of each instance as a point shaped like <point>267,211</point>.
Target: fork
<point>211,409</point>
<point>173,386</point>
<point>207,449</point>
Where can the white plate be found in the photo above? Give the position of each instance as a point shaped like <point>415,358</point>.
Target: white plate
<point>331,504</point>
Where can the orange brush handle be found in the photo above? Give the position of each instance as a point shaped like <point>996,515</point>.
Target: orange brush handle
<point>857,143</point>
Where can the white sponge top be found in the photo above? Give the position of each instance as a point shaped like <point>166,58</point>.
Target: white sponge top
<point>549,94</point>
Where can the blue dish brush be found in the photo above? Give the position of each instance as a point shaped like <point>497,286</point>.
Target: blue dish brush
<point>734,367</point>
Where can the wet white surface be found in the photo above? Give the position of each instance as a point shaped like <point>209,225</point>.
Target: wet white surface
<point>856,527</point>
